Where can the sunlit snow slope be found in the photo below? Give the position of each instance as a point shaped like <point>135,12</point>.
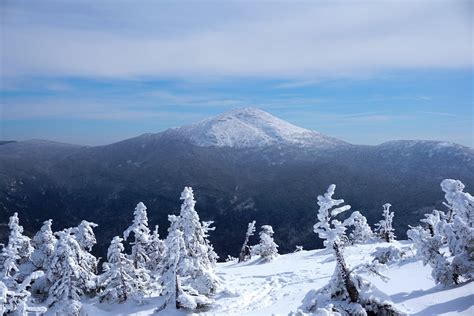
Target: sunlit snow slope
<point>278,287</point>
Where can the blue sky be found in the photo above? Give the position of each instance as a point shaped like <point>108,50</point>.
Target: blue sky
<point>363,71</point>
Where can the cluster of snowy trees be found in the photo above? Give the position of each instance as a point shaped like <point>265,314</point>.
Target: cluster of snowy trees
<point>347,292</point>
<point>445,241</point>
<point>267,249</point>
<point>58,269</point>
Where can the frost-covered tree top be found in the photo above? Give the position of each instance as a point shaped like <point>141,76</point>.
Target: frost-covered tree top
<point>141,233</point>
<point>462,203</point>
<point>267,248</point>
<point>140,224</point>
<point>85,234</point>
<point>384,226</point>
<point>362,231</point>
<point>18,249</point>
<point>44,242</point>
<point>327,228</point>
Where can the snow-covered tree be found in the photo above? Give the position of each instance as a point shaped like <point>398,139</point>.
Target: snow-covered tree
<point>329,229</point>
<point>245,250</point>
<point>267,249</point>
<point>65,274</point>
<point>85,236</point>
<point>155,250</point>
<point>347,292</point>
<point>121,280</point>
<point>384,227</point>
<point>199,254</point>
<point>141,233</point>
<point>18,250</point>
<point>429,248</point>
<point>361,232</point>
<point>212,255</point>
<point>460,230</point>
<point>453,231</point>
<point>44,242</point>
<point>14,298</point>
<point>174,263</point>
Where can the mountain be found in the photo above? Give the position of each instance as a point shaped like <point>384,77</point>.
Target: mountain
<point>238,176</point>
<point>248,128</point>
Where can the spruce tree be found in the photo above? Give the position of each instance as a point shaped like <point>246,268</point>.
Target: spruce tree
<point>44,242</point>
<point>267,249</point>
<point>141,234</point>
<point>121,280</point>
<point>384,227</point>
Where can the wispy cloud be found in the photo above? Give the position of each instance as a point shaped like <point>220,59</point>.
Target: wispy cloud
<point>265,39</point>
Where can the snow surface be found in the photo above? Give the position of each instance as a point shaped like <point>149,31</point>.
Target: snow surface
<point>279,287</point>
<point>250,127</point>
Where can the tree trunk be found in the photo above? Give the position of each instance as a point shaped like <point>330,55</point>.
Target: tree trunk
<point>345,275</point>
<point>243,251</point>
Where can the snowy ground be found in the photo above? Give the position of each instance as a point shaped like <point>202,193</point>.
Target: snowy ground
<point>278,287</point>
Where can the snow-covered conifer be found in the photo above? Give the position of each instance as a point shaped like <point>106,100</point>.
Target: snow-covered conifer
<point>155,250</point>
<point>65,275</point>
<point>327,228</point>
<point>429,248</point>
<point>384,227</point>
<point>18,250</point>
<point>212,255</point>
<point>14,298</point>
<point>121,280</point>
<point>141,233</point>
<point>267,248</point>
<point>347,292</point>
<point>176,265</point>
<point>85,235</point>
<point>361,232</point>
<point>44,242</point>
<point>199,251</point>
<point>245,250</point>
<point>460,230</point>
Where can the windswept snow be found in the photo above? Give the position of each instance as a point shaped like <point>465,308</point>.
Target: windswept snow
<point>279,287</point>
<point>250,127</point>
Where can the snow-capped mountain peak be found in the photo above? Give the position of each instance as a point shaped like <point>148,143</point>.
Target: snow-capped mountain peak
<point>250,127</point>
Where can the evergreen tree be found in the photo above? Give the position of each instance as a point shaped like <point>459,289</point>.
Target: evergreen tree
<point>121,280</point>
<point>384,227</point>
<point>347,292</point>
<point>460,230</point>
<point>176,266</point>
<point>14,297</point>
<point>267,248</point>
<point>65,275</point>
<point>245,250</point>
<point>141,233</point>
<point>453,231</point>
<point>200,254</point>
<point>155,250</point>
<point>44,242</point>
<point>362,231</point>
<point>85,237</point>
<point>18,249</point>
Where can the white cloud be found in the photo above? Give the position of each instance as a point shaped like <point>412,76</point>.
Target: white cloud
<point>266,39</point>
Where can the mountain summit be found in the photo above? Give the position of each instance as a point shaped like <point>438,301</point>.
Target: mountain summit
<point>250,127</point>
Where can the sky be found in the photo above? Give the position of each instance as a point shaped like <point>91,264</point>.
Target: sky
<point>96,72</point>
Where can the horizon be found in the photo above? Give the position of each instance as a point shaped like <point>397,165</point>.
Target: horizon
<point>365,72</point>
